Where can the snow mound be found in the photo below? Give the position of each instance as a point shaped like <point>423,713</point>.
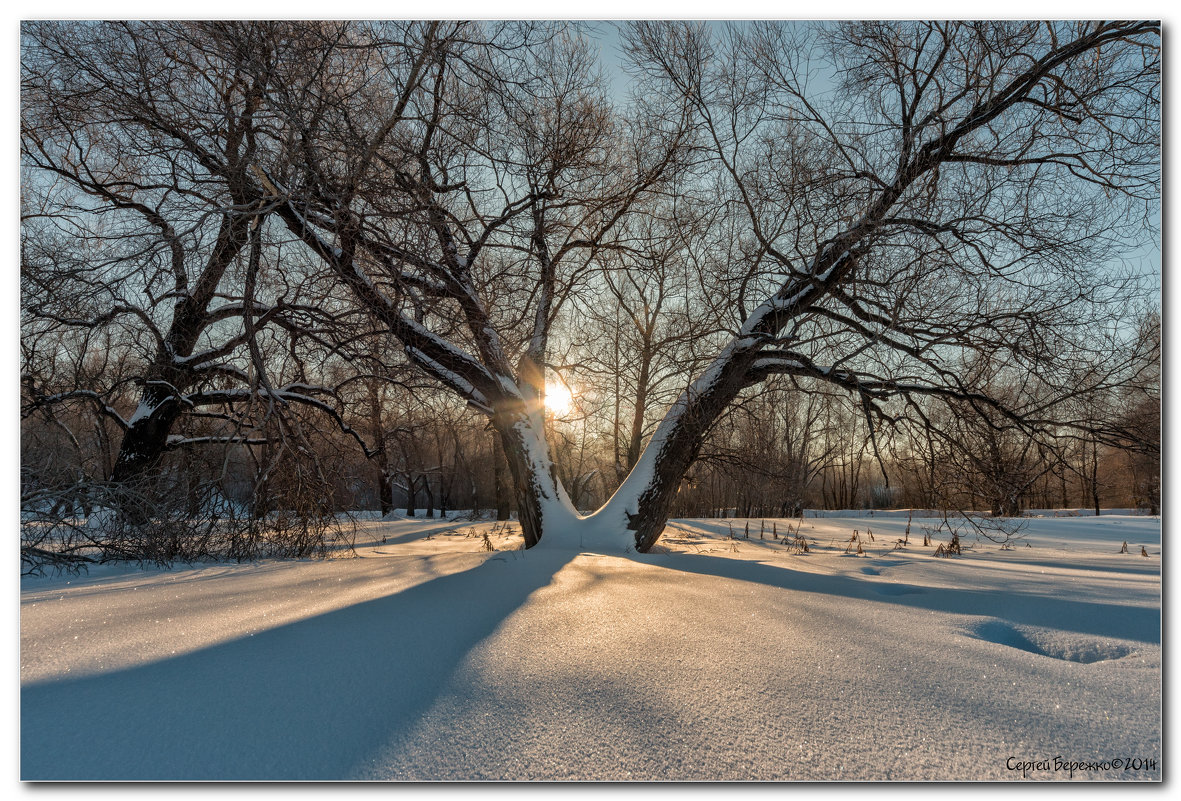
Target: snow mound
<point>1049,642</point>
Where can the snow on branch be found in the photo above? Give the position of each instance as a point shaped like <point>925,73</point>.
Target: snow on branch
<point>451,365</point>
<point>799,293</point>
<point>473,396</point>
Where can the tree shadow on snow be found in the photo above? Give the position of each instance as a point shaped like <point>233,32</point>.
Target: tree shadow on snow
<point>419,529</point>
<point>1085,617</point>
<point>300,701</point>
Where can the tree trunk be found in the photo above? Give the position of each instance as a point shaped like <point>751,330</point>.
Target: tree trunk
<point>145,440</point>
<point>385,488</point>
<point>410,495</point>
<point>146,437</point>
<point>385,491</point>
<point>641,400</point>
<point>500,486</point>
<point>193,498</point>
<point>1095,475</point>
<point>140,453</point>
<point>430,496</point>
<point>1006,506</point>
<point>542,503</point>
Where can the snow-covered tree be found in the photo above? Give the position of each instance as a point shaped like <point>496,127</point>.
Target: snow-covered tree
<point>907,194</point>
<point>921,191</point>
<point>139,144</point>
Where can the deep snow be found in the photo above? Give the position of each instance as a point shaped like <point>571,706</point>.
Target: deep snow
<point>432,659</point>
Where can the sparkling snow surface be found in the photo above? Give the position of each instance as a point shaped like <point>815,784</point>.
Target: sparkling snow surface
<point>432,659</point>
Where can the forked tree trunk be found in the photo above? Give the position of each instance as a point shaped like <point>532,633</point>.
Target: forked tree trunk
<point>635,516</point>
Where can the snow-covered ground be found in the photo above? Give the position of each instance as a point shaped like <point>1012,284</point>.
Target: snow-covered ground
<point>431,658</point>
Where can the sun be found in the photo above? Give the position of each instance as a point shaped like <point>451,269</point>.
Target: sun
<point>559,400</point>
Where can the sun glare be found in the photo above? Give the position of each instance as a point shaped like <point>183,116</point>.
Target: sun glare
<point>559,401</point>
